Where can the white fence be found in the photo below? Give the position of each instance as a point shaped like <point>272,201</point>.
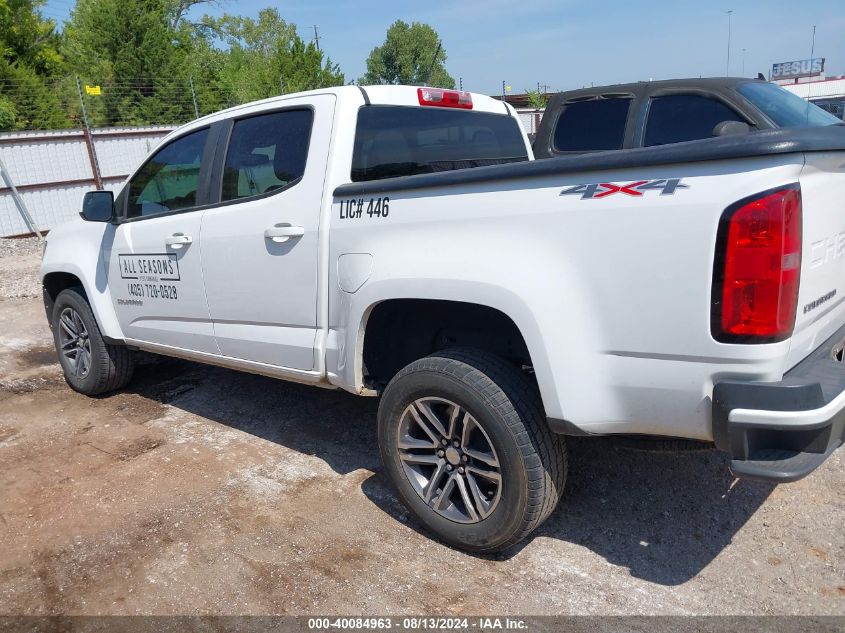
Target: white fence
<point>530,119</point>
<point>52,170</point>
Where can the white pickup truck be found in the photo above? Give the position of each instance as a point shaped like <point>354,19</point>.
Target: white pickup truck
<point>402,242</point>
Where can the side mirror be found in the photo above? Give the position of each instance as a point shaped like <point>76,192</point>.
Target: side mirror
<point>731,128</point>
<point>98,206</point>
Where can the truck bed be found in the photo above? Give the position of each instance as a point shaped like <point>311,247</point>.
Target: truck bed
<point>632,274</point>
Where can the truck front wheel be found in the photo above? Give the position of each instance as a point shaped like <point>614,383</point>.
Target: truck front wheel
<point>90,365</point>
<point>464,440</point>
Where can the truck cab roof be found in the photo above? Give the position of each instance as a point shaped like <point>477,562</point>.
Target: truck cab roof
<point>365,95</point>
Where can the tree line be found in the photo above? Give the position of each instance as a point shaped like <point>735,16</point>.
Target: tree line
<point>155,65</point>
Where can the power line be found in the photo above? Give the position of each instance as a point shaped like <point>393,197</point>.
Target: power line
<point>138,101</point>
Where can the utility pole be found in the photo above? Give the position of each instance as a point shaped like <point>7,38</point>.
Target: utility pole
<point>82,103</point>
<point>194,97</point>
<point>813,45</point>
<point>728,63</point>
<point>810,83</point>
<point>316,37</point>
<point>743,62</point>
<point>89,142</point>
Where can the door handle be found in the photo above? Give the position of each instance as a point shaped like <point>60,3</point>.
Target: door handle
<point>283,232</point>
<point>178,240</point>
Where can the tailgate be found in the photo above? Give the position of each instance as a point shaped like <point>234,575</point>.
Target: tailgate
<point>821,298</point>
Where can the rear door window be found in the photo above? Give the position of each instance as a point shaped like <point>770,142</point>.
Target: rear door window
<point>594,125</point>
<point>395,141</point>
<point>684,117</point>
<point>266,153</point>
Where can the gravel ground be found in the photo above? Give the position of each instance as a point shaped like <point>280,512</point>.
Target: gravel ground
<point>199,490</point>
<point>19,261</point>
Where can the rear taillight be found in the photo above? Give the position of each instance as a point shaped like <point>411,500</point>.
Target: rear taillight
<point>758,268</point>
<point>444,98</point>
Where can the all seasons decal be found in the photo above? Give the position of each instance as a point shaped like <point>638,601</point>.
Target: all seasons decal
<point>146,275</point>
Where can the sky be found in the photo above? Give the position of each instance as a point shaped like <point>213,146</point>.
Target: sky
<point>566,44</point>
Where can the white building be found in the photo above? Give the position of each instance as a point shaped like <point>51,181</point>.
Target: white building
<point>827,93</point>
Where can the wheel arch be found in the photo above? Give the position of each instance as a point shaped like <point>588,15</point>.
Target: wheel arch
<point>367,304</point>
<point>55,280</point>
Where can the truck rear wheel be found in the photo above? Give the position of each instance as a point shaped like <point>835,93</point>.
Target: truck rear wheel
<point>464,440</point>
<point>91,366</point>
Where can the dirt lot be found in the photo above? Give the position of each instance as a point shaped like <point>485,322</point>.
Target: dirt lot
<point>203,491</point>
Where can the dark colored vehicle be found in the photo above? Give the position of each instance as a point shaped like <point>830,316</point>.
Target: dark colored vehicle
<point>653,113</point>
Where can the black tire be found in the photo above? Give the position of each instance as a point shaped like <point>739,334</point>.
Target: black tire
<point>111,366</point>
<point>507,405</point>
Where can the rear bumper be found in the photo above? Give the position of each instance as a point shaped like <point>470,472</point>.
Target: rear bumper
<point>782,431</point>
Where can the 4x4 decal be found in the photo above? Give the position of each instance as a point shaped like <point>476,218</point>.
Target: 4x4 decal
<point>666,187</point>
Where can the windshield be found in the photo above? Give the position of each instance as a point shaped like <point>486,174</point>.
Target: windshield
<point>784,108</point>
<point>401,141</point>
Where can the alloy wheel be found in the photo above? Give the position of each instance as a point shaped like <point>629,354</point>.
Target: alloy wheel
<point>449,460</point>
<point>74,342</point>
